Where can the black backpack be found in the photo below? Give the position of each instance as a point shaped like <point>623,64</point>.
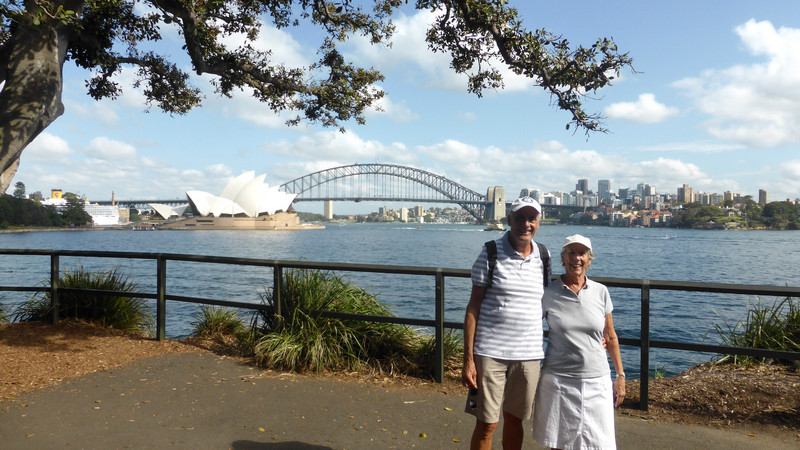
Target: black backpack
<point>491,251</point>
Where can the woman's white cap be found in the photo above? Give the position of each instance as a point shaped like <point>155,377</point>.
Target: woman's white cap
<point>577,239</point>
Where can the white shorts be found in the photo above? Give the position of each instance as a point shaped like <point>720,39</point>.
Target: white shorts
<point>574,413</point>
<point>503,385</point>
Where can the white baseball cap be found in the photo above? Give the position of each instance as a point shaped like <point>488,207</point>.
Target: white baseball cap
<point>577,239</point>
<point>526,201</point>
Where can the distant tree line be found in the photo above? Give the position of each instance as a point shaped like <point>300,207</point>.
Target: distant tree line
<point>774,215</point>
<point>18,211</point>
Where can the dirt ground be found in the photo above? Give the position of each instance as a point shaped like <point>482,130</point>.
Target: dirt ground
<point>35,355</point>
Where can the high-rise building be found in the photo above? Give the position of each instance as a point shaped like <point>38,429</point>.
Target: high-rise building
<point>603,187</point>
<point>685,194</point>
<point>582,186</point>
<point>763,197</point>
<point>328,209</point>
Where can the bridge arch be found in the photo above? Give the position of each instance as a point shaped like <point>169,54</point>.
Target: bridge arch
<point>384,182</point>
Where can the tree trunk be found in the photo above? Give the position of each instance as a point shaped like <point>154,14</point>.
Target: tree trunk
<point>31,97</point>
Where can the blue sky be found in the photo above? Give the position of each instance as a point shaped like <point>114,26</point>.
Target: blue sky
<point>715,104</point>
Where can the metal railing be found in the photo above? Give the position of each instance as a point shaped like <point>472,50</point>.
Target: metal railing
<point>438,323</point>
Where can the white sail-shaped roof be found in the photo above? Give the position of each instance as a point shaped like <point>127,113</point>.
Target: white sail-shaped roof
<point>250,195</point>
<point>201,201</point>
<point>234,186</point>
<point>167,211</point>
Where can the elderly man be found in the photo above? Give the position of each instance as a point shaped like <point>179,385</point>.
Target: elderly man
<point>503,328</point>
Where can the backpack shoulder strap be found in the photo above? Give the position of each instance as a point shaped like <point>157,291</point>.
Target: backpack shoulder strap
<point>491,252</point>
<point>546,267</point>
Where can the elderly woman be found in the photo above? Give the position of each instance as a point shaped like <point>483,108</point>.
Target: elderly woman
<point>575,399</point>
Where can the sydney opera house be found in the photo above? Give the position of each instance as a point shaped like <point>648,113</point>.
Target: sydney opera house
<point>246,203</point>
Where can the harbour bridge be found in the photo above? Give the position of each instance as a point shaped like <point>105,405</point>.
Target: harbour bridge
<point>385,182</point>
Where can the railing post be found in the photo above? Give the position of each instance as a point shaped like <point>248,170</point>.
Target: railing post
<point>161,300</point>
<point>438,370</point>
<point>277,282</point>
<point>644,357</point>
<point>54,283</point>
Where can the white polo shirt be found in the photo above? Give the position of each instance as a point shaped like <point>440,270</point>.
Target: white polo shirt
<point>576,323</point>
<point>510,321</point>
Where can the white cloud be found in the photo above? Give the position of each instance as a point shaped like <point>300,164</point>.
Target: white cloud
<point>707,146</point>
<point>645,110</point>
<point>758,104</point>
<point>103,111</point>
<point>46,147</point>
<point>283,47</point>
<point>397,112</point>
<point>450,151</point>
<point>110,150</point>
<point>336,146</point>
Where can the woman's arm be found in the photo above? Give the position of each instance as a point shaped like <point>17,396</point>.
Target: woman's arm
<point>612,345</point>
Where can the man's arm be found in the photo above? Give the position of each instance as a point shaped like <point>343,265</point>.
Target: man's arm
<point>469,375</point>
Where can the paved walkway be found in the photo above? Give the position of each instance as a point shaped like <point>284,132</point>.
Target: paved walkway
<point>197,400</point>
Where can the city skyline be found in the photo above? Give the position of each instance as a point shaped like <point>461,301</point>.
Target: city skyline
<point>713,105</point>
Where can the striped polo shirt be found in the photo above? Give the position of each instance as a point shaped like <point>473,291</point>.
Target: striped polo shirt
<point>510,321</point>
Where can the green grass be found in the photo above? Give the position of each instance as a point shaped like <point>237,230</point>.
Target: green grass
<point>124,312</point>
<point>772,327</point>
<point>302,340</point>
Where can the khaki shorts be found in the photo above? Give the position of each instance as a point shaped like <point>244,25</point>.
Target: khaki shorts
<point>503,385</point>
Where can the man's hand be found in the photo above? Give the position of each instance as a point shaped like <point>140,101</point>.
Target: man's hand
<point>469,375</point>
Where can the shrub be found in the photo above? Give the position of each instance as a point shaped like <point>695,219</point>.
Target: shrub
<point>3,315</point>
<point>124,312</point>
<point>303,340</point>
<point>775,327</point>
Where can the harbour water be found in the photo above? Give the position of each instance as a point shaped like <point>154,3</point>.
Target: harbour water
<point>742,257</point>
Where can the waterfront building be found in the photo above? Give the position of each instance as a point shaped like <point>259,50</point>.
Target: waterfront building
<point>328,209</point>
<point>245,196</point>
<point>246,203</point>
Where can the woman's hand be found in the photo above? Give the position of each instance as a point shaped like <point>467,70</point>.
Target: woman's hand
<point>619,391</point>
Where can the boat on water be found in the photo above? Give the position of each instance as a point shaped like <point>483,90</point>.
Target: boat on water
<point>495,226</point>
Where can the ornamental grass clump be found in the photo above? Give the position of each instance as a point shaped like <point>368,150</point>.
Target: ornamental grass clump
<point>120,310</point>
<point>775,327</point>
<point>303,340</point>
<point>224,329</point>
